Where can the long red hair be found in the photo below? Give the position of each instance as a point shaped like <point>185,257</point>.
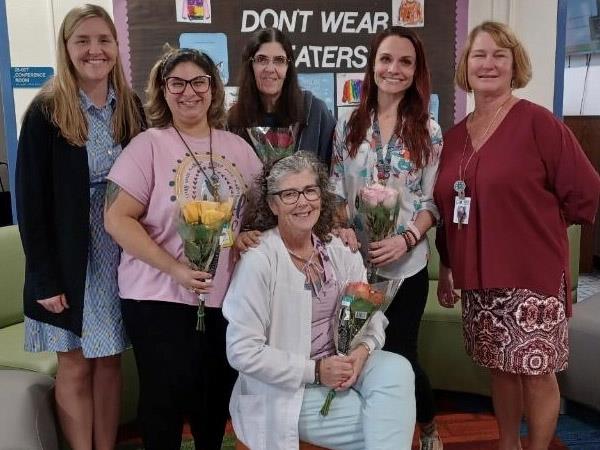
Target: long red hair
<point>414,107</point>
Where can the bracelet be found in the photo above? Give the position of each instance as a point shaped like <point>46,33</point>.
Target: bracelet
<point>409,245</point>
<point>412,227</point>
<point>318,371</point>
<point>367,346</point>
<point>414,237</point>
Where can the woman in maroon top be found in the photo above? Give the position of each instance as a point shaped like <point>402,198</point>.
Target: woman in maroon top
<point>511,178</point>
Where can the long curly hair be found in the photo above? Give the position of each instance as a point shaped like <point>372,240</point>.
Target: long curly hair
<point>258,214</point>
<point>413,109</point>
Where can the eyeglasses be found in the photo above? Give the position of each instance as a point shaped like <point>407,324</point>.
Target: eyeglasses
<point>291,196</point>
<point>176,85</point>
<point>264,60</point>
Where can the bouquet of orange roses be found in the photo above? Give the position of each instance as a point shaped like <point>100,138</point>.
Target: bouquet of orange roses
<point>358,302</point>
<point>203,228</point>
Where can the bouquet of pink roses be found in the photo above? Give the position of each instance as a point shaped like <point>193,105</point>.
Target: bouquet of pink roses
<point>377,209</point>
<point>358,302</point>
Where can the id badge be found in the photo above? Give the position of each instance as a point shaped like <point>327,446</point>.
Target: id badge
<point>462,208</point>
<point>226,238</point>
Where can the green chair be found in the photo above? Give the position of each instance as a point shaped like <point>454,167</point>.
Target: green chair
<point>12,354</point>
<point>441,346</point>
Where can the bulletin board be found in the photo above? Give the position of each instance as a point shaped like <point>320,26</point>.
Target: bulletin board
<point>331,40</point>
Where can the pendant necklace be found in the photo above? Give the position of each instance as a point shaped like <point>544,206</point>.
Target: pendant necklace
<point>212,181</point>
<point>383,165</point>
<point>311,269</point>
<point>460,185</point>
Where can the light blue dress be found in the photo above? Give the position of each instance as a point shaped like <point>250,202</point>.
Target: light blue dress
<point>103,332</point>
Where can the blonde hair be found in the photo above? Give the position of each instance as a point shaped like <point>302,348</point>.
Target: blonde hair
<point>61,94</point>
<point>504,37</point>
<point>159,114</point>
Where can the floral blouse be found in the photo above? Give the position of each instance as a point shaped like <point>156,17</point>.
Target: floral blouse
<point>414,185</point>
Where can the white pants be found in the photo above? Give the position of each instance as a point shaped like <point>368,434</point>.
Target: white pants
<point>378,413</point>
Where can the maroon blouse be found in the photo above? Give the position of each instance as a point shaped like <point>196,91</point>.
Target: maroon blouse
<point>527,183</point>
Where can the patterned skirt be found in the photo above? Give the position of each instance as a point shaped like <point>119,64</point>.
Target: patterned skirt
<point>516,330</point>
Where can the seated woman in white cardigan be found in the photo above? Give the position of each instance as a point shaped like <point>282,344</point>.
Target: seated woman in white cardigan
<point>280,306</point>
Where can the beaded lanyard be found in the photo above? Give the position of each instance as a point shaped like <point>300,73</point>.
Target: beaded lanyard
<point>384,165</point>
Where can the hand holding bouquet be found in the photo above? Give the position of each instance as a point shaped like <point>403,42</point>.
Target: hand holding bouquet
<point>358,302</point>
<point>273,143</point>
<point>377,211</point>
<point>203,226</point>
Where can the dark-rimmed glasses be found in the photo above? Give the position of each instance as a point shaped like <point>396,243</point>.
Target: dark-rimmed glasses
<point>291,196</point>
<point>264,60</point>
<point>199,84</point>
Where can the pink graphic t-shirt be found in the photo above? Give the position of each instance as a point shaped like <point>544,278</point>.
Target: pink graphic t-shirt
<point>157,169</point>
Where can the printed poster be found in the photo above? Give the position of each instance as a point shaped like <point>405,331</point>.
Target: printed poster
<point>321,85</point>
<point>213,44</point>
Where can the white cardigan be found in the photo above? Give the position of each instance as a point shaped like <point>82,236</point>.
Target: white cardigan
<point>269,339</point>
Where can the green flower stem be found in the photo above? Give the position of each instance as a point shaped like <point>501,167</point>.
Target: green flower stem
<point>201,314</point>
<point>330,396</point>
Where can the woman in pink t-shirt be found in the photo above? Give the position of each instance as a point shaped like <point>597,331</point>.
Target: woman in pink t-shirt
<point>182,371</point>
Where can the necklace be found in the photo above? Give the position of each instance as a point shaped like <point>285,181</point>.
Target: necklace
<point>212,181</point>
<point>460,185</point>
<point>383,165</point>
<point>312,270</point>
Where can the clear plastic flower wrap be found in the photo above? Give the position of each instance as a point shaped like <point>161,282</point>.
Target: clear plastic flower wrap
<point>358,302</point>
<point>203,226</point>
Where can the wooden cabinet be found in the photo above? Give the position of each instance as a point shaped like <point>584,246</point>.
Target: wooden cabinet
<point>587,131</point>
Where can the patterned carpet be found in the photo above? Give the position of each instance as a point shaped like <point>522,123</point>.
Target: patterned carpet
<point>465,422</point>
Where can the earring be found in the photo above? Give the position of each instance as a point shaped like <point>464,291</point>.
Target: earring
<point>512,83</point>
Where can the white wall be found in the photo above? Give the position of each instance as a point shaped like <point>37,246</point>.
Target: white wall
<point>32,38</point>
<point>534,22</point>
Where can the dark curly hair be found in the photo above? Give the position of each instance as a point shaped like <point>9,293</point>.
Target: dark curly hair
<point>258,214</point>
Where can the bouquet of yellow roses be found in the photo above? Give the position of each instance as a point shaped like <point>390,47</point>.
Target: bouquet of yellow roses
<point>203,226</point>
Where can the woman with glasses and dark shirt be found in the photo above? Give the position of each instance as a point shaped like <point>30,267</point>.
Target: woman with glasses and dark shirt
<point>270,96</point>
<point>271,106</point>
<point>185,156</point>
<point>280,307</point>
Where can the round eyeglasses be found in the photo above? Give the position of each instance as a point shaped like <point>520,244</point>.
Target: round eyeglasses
<point>176,85</point>
<point>291,196</point>
<point>264,60</point>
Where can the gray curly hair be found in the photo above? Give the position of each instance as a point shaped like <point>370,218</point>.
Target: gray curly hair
<point>258,214</point>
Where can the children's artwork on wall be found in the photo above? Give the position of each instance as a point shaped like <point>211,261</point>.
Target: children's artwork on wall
<point>213,44</point>
<point>348,88</point>
<point>330,40</point>
<point>195,11</point>
<point>408,13</point>
<point>321,85</point>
